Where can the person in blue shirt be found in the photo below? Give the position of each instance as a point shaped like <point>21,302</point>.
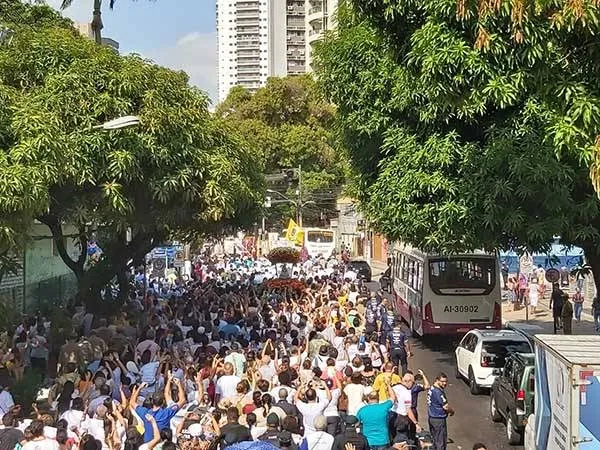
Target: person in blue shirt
<point>163,408</point>
<point>374,418</point>
<point>421,385</point>
<point>438,410</point>
<point>399,348</point>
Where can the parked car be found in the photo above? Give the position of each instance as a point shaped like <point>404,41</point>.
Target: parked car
<point>511,397</point>
<point>482,351</point>
<point>362,269</point>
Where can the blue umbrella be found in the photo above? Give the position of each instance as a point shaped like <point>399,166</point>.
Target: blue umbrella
<point>252,445</point>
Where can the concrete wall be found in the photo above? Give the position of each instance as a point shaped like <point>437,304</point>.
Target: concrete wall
<point>47,279</point>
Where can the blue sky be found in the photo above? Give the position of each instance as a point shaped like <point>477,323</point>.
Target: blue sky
<point>181,37</point>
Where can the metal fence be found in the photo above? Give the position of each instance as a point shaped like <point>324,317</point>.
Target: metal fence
<point>40,296</point>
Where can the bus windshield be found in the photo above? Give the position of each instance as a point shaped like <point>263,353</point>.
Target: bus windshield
<point>325,237</point>
<point>462,273</point>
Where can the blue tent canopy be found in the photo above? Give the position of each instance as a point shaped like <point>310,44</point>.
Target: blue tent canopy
<point>558,256</point>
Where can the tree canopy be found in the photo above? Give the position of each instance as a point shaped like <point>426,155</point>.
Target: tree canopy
<point>289,124</point>
<point>181,171</point>
<point>469,128</point>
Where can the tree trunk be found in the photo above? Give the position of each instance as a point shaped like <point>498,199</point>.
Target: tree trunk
<point>55,226</point>
<point>592,256</point>
<point>97,22</point>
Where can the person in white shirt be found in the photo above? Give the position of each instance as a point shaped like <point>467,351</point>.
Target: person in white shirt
<point>319,439</point>
<point>405,423</point>
<point>237,359</point>
<point>6,401</point>
<point>148,344</point>
<point>310,408</point>
<point>38,440</point>
<point>226,385</point>
<point>355,391</point>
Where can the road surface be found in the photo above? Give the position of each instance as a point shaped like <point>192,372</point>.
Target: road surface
<point>472,421</point>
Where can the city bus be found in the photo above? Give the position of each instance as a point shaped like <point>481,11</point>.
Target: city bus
<point>445,295</point>
<point>319,241</point>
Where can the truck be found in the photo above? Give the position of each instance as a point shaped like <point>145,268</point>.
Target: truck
<point>567,394</point>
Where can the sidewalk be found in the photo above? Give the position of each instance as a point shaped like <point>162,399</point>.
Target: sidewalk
<point>542,322</point>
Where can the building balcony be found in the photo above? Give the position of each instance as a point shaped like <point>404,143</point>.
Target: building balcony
<point>248,62</point>
<point>314,35</point>
<point>295,11</point>
<point>250,55</point>
<point>296,25</point>
<point>315,18</point>
<point>246,15</point>
<point>248,44</point>
<point>296,56</point>
<point>249,70</point>
<point>247,5</point>
<point>249,22</point>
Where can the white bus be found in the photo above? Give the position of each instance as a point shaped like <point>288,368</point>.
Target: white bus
<point>446,295</point>
<point>319,241</point>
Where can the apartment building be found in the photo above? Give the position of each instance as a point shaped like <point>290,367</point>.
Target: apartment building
<point>320,17</point>
<point>257,39</point>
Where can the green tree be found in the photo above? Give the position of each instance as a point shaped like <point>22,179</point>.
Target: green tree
<point>468,129</point>
<point>289,124</point>
<point>182,171</point>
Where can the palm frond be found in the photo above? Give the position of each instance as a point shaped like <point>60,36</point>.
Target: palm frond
<point>65,4</point>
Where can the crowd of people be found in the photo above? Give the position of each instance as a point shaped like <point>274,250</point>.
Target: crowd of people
<point>223,360</point>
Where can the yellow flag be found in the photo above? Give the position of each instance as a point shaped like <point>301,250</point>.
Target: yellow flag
<point>299,238</point>
<point>290,233</point>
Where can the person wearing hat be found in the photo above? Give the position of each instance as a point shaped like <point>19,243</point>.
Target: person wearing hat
<point>286,441</point>
<point>350,436</point>
<point>319,439</point>
<point>272,433</point>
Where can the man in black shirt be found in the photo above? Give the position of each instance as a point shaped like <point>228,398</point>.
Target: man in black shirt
<point>288,408</point>
<point>233,432</point>
<point>10,436</point>
<point>556,305</point>
<point>272,433</point>
<point>350,436</point>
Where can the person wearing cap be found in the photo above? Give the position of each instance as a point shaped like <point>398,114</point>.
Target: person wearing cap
<point>319,439</point>
<point>286,441</point>
<point>374,418</point>
<point>272,433</point>
<point>350,436</point>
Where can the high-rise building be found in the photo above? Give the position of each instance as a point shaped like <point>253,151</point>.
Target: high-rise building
<point>320,17</point>
<point>258,39</point>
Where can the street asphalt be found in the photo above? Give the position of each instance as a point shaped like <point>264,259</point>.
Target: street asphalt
<point>472,422</point>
